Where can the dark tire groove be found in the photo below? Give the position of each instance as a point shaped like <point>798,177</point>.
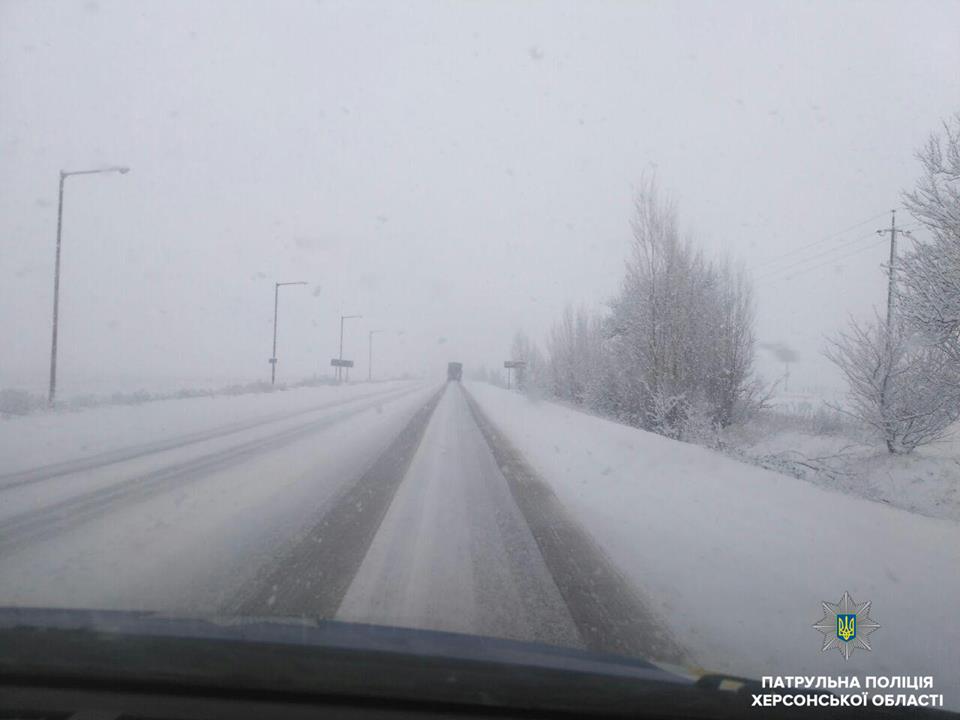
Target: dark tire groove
<point>314,575</point>
<point>610,614</point>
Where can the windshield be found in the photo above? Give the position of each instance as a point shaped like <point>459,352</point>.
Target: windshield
<point>627,327</point>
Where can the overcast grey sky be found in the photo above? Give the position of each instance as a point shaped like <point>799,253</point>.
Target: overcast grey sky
<point>452,170</point>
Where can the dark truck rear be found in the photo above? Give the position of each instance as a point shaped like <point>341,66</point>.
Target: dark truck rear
<point>454,371</point>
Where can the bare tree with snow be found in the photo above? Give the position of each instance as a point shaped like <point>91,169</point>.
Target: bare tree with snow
<point>904,373</point>
<point>928,276</point>
<point>903,388</point>
<point>531,377</point>
<point>574,347</point>
<point>675,353</point>
<point>682,325</point>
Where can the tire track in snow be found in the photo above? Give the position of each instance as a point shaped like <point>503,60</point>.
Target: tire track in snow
<point>66,514</point>
<point>313,577</point>
<point>19,478</point>
<point>610,614</point>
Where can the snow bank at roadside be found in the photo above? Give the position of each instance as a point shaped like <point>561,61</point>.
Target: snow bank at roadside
<point>737,559</point>
<point>50,437</point>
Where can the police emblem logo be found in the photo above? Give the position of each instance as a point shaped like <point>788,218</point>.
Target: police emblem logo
<point>846,626</point>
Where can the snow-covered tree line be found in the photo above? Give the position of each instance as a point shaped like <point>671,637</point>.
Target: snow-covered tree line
<point>674,352</point>
<point>903,371</point>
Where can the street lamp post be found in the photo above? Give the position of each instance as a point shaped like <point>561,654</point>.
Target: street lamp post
<point>370,356</point>
<point>64,174</point>
<point>342,318</point>
<point>276,298</point>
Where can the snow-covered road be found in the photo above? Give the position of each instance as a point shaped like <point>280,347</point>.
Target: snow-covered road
<point>454,552</point>
<point>385,505</point>
<point>440,534</point>
<point>465,509</point>
<point>180,523</point>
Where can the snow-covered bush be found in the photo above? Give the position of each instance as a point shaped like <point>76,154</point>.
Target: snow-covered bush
<point>18,402</point>
<point>666,414</point>
<point>186,393</point>
<point>79,402</point>
<point>132,398</point>
<point>314,381</point>
<point>261,386</point>
<point>827,421</point>
<point>698,424</point>
<point>823,421</point>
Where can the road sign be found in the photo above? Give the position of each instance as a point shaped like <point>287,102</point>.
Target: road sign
<point>513,365</point>
<point>341,363</point>
<point>272,361</point>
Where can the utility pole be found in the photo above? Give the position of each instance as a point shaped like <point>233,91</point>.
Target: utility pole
<point>893,259</point>
<point>273,354</point>
<point>342,318</point>
<point>370,356</point>
<point>64,174</point>
<point>276,297</point>
<point>891,278</point>
<point>56,298</point>
<point>891,281</point>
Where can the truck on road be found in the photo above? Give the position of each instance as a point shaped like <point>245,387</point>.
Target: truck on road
<point>454,371</point>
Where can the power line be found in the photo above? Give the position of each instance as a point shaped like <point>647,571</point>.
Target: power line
<point>773,260</point>
<point>825,253</point>
<point>770,278</point>
<point>911,227</point>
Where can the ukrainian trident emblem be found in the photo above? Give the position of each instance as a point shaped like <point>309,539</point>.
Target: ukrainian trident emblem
<point>846,626</point>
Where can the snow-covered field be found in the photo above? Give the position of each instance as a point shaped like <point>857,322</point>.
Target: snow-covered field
<point>737,558</point>
<point>72,384</point>
<point>840,457</point>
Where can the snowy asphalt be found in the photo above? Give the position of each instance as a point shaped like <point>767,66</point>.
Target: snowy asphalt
<point>400,507</point>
